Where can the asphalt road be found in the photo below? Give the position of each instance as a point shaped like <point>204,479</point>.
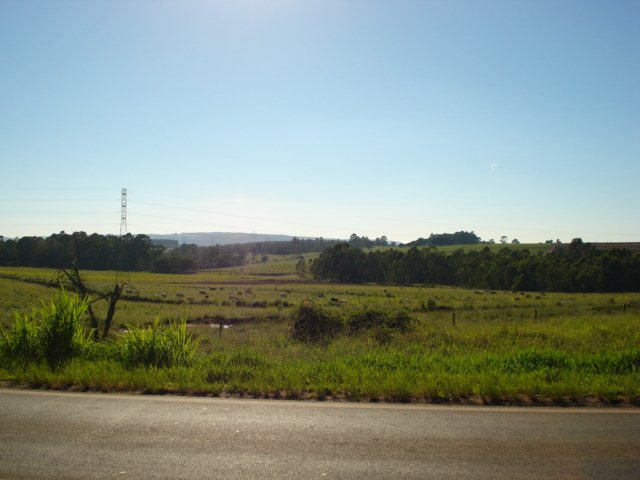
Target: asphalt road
<point>48,435</point>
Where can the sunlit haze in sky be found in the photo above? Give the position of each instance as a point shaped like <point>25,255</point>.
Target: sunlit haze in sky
<point>322,118</point>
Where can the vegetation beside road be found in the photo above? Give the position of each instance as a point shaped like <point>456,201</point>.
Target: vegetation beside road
<point>457,345</point>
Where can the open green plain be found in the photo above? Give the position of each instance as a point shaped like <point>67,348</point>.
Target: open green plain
<point>465,346</point>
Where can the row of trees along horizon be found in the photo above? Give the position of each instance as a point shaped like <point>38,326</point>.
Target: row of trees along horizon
<point>575,267</point>
<point>141,253</point>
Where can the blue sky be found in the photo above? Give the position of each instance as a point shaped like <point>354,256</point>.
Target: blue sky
<point>322,118</point>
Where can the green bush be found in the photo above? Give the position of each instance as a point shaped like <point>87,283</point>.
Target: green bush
<point>313,323</point>
<point>366,318</point>
<point>159,347</point>
<point>53,333</point>
<point>400,321</point>
<point>374,316</point>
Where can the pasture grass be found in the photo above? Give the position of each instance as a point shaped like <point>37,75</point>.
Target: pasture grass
<point>492,362</point>
<point>504,347</point>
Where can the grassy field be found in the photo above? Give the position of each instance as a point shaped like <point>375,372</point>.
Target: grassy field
<point>466,346</point>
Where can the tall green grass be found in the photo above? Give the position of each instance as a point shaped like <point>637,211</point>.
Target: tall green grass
<point>53,333</point>
<point>366,372</point>
<point>154,346</point>
<point>56,333</point>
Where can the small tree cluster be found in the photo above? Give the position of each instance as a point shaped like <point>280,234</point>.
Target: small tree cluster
<point>441,239</point>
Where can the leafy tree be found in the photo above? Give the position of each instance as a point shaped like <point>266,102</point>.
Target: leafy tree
<point>301,267</point>
<point>342,263</point>
<point>443,239</point>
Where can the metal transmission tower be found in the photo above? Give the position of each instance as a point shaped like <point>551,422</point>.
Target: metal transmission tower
<point>123,224</point>
<point>123,213</point>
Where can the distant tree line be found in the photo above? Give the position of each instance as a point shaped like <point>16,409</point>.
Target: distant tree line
<point>139,253</point>
<point>295,246</point>
<point>574,267</point>
<point>364,242</point>
<point>92,252</point>
<point>189,257</point>
<point>442,239</point>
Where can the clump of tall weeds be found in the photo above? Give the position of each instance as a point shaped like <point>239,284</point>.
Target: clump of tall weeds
<point>374,316</point>
<point>20,345</point>
<point>170,346</point>
<point>313,323</point>
<point>53,333</point>
<point>56,333</point>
